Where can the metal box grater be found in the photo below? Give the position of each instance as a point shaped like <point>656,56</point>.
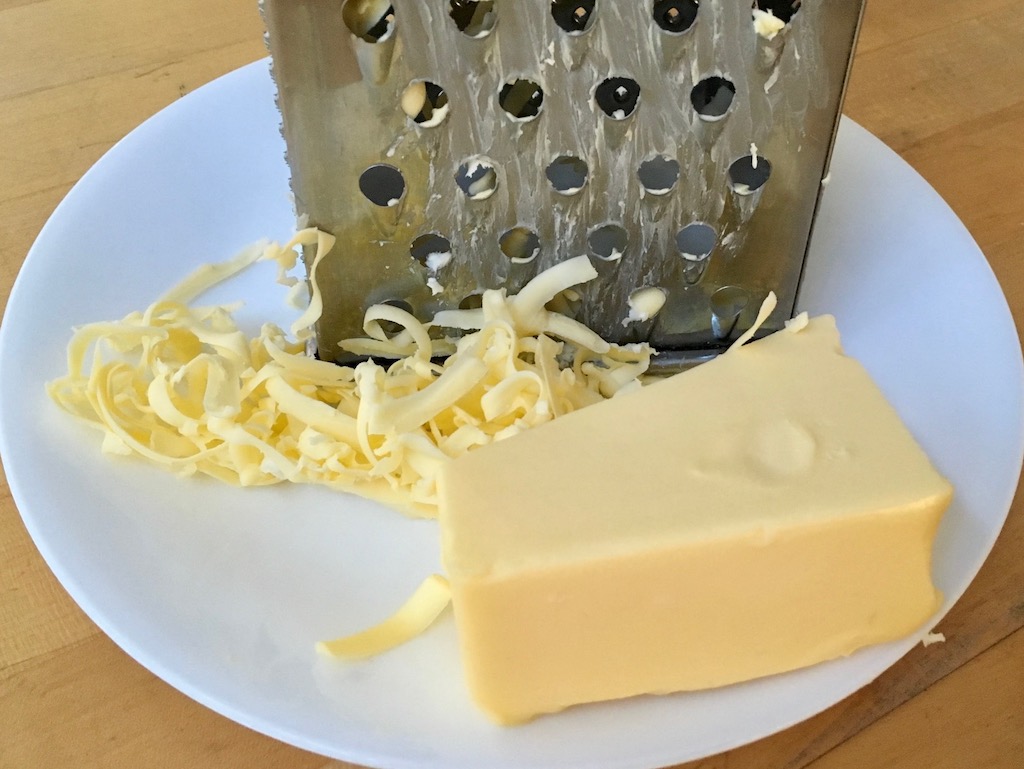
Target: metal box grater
<point>454,146</point>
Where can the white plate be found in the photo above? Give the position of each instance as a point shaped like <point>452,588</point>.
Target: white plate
<point>222,593</point>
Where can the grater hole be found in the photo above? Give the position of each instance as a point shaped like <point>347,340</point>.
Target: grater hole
<point>712,97</point>
<point>383,185</point>
<point>617,97</point>
<point>696,241</point>
<point>389,327</point>
<point>608,242</point>
<point>472,301</point>
<point>645,303</point>
<point>675,16</point>
<point>477,178</point>
<point>401,304</point>
<point>474,19</point>
<point>658,175</point>
<point>426,103</point>
<point>566,302</point>
<point>521,99</point>
<point>431,250</point>
<point>520,245</point>
<point>783,10</point>
<point>727,305</point>
<point>567,174</point>
<point>369,20</point>
<point>748,174</point>
<point>573,16</point>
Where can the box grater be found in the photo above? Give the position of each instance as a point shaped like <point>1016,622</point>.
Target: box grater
<point>454,146</point>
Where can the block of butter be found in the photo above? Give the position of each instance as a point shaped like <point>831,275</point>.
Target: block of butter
<point>762,512</point>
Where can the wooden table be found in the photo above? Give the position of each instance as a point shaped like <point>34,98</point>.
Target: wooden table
<point>940,81</point>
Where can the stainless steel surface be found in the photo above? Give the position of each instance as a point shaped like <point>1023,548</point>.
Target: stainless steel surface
<point>689,159</point>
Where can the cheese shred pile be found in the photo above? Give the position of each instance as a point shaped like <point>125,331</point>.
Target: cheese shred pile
<point>183,387</point>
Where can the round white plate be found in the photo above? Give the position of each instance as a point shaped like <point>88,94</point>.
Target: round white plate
<point>223,592</point>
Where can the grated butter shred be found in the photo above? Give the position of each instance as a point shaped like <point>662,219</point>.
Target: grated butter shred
<point>183,387</point>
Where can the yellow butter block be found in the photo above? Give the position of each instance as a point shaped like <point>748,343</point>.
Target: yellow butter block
<point>763,512</point>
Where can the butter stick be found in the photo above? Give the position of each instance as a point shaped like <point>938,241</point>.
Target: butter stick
<point>763,512</point>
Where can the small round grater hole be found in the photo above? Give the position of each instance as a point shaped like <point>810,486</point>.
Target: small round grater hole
<point>712,97</point>
<point>783,10</point>
<point>608,242</point>
<point>617,97</point>
<point>658,175</point>
<point>369,20</point>
<point>675,16</point>
<point>426,103</point>
<point>474,19</point>
<point>477,178</point>
<point>573,16</point>
<point>521,99</point>
<point>472,301</point>
<point>431,250</point>
<point>567,174</point>
<point>748,174</point>
<point>383,185</point>
<point>520,245</point>
<point>696,241</point>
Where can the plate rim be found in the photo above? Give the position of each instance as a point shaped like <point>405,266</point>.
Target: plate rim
<point>68,581</point>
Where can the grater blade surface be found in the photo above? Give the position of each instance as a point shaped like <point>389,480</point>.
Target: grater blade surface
<point>454,146</point>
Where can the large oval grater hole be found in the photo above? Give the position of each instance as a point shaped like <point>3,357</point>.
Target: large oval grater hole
<point>369,20</point>
<point>567,174</point>
<point>520,245</point>
<point>474,19</point>
<point>644,304</point>
<point>783,10</point>
<point>389,327</point>
<point>401,304</point>
<point>521,99</point>
<point>712,97</point>
<point>573,16</point>
<point>675,16</point>
<point>477,178</point>
<point>727,305</point>
<point>749,173</point>
<point>608,242</point>
<point>658,175</point>
<point>617,97</point>
<point>472,301</point>
<point>696,241</point>
<point>426,103</point>
<point>383,185</point>
<point>431,250</point>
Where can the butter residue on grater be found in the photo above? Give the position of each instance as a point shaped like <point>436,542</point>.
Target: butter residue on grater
<point>454,146</point>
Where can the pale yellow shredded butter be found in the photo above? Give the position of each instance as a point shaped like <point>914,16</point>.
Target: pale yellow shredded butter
<point>932,638</point>
<point>412,618</point>
<point>766,309</point>
<point>183,387</point>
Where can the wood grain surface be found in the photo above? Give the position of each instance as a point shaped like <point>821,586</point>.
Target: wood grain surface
<point>940,81</point>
